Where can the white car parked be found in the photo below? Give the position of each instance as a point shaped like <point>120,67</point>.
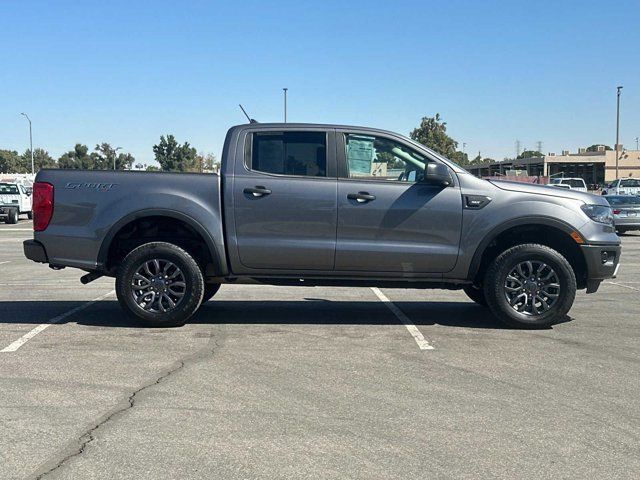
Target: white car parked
<point>15,199</point>
<point>574,183</point>
<point>623,186</point>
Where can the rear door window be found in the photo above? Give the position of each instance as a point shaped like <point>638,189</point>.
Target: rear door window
<point>302,154</point>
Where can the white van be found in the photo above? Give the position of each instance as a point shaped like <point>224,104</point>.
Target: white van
<point>575,183</point>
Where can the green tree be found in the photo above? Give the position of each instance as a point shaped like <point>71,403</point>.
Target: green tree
<point>173,157</point>
<point>432,133</point>
<point>11,162</point>
<point>79,158</point>
<point>41,159</point>
<point>205,162</point>
<point>459,157</point>
<point>530,154</point>
<point>152,168</point>
<point>106,155</point>
<point>594,148</point>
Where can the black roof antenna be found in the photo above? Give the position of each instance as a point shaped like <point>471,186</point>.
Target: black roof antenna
<point>251,120</point>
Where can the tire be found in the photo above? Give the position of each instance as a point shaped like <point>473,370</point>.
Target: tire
<point>12,218</point>
<point>30,215</point>
<point>210,289</point>
<point>621,231</point>
<point>499,289</point>
<point>171,276</point>
<point>476,294</point>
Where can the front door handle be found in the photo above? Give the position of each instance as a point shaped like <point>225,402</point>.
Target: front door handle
<point>361,197</point>
<point>257,191</point>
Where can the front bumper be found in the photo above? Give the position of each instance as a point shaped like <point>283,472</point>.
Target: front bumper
<point>602,263</point>
<point>35,251</point>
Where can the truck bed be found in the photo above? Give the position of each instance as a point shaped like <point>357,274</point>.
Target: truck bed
<point>91,206</point>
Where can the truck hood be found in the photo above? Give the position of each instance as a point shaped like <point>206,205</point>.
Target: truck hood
<point>549,191</point>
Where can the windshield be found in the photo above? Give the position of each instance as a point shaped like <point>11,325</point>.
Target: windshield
<point>8,189</point>
<point>622,200</point>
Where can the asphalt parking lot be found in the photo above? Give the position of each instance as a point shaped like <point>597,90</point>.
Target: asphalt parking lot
<point>274,382</point>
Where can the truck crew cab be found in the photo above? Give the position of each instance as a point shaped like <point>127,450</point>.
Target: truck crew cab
<point>305,204</point>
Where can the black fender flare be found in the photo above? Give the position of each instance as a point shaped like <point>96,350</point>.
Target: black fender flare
<point>158,212</point>
<point>474,266</point>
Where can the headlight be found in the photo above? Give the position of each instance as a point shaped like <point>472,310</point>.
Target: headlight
<point>599,213</point>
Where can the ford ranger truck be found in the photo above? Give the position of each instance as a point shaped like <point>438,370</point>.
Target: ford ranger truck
<point>304,204</point>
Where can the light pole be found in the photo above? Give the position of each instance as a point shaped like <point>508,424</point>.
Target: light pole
<point>285,104</point>
<point>637,138</point>
<point>617,130</point>
<point>115,155</point>
<point>33,169</point>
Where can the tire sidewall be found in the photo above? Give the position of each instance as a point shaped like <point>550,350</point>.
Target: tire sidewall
<point>194,288</point>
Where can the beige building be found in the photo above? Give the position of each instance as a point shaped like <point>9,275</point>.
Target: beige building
<point>594,167</point>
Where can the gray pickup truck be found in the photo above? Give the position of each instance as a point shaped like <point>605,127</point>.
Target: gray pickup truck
<point>302,204</point>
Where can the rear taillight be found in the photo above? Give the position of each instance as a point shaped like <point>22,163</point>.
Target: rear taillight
<point>617,212</point>
<point>42,205</point>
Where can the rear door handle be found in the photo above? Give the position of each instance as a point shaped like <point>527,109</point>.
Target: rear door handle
<point>257,191</point>
<point>361,197</point>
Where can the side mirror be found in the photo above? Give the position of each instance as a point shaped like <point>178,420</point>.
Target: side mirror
<point>437,174</point>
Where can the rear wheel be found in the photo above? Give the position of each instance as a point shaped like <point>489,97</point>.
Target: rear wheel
<point>30,215</point>
<point>621,231</point>
<point>476,294</point>
<point>12,218</point>
<point>160,284</point>
<point>530,286</point>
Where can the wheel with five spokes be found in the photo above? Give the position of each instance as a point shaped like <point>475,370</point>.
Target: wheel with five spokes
<point>530,286</point>
<point>160,284</point>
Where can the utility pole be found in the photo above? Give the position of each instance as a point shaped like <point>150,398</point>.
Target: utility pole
<point>617,130</point>
<point>115,156</point>
<point>517,148</point>
<point>33,169</point>
<point>539,146</point>
<point>285,104</point>
<point>637,143</point>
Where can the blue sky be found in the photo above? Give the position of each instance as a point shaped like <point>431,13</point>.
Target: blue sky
<point>127,72</point>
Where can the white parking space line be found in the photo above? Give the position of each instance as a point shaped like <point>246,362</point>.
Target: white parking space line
<point>8,261</point>
<point>17,230</point>
<point>28,336</point>
<point>624,286</point>
<point>422,342</point>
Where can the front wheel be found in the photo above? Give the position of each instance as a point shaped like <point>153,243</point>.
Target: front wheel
<point>530,286</point>
<point>160,284</point>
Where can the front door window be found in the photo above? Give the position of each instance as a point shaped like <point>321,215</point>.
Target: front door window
<point>378,158</point>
